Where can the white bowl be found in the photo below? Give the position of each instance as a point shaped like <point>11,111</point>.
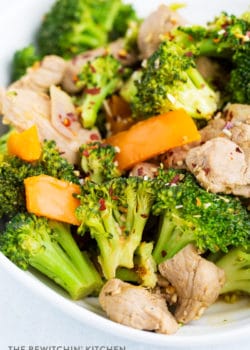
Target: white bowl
<point>222,323</point>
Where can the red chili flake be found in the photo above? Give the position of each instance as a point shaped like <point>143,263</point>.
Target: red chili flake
<point>206,170</point>
<point>59,116</point>
<point>163,253</point>
<point>189,54</point>
<point>140,171</point>
<point>94,137</point>
<point>175,179</point>
<point>85,153</point>
<point>237,149</point>
<point>194,165</point>
<point>92,91</point>
<point>102,204</point>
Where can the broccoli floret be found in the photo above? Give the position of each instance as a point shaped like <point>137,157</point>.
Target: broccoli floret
<point>115,214</point>
<point>236,264</point>
<point>128,90</point>
<point>13,171</point>
<point>125,20</point>
<point>99,79</point>
<point>22,60</point>
<point>74,26</point>
<point>171,81</point>
<point>49,247</point>
<point>68,29</point>
<point>98,161</point>
<point>3,142</point>
<point>190,214</point>
<point>226,37</point>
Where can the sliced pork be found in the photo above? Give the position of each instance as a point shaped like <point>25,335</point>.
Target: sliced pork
<point>23,108</point>
<point>196,280</point>
<point>42,75</point>
<point>155,27</point>
<point>136,307</point>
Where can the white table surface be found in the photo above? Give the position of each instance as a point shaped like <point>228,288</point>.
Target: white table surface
<point>26,320</point>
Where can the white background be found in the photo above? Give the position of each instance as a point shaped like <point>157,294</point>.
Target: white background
<point>27,319</point>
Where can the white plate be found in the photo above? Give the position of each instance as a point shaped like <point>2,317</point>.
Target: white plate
<point>222,323</point>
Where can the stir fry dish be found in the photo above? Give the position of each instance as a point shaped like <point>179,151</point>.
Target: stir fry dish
<point>125,168</point>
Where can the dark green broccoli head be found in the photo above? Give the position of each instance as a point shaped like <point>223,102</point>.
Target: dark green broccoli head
<point>74,26</point>
<point>68,29</point>
<point>190,214</point>
<point>22,60</point>
<point>171,81</point>
<point>123,21</point>
<point>98,161</point>
<point>238,87</point>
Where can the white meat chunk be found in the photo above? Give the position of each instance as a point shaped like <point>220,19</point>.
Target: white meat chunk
<point>23,108</point>
<point>136,307</point>
<point>42,75</point>
<point>155,27</point>
<point>220,165</point>
<point>196,280</point>
<point>144,169</point>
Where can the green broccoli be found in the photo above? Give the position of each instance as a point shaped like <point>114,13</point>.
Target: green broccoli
<point>144,270</point>
<point>3,142</point>
<point>99,79</point>
<point>13,171</point>
<point>170,81</point>
<point>49,247</point>
<point>97,160</point>
<point>227,38</point>
<point>125,20</point>
<point>74,26</point>
<point>236,264</point>
<point>115,214</point>
<point>22,60</point>
<point>190,214</point>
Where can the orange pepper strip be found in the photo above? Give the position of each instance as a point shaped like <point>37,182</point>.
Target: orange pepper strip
<point>153,136</point>
<point>25,145</point>
<point>52,198</point>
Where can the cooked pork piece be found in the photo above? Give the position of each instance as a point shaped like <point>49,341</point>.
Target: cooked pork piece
<point>23,108</point>
<point>136,307</point>
<point>220,165</point>
<point>74,66</point>
<point>176,156</point>
<point>197,282</point>
<point>41,76</point>
<point>155,27</point>
<point>144,169</point>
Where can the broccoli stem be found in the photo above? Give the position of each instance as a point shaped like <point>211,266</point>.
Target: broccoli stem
<point>80,259</point>
<point>93,102</point>
<point>174,234</point>
<point>236,264</point>
<point>51,262</point>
